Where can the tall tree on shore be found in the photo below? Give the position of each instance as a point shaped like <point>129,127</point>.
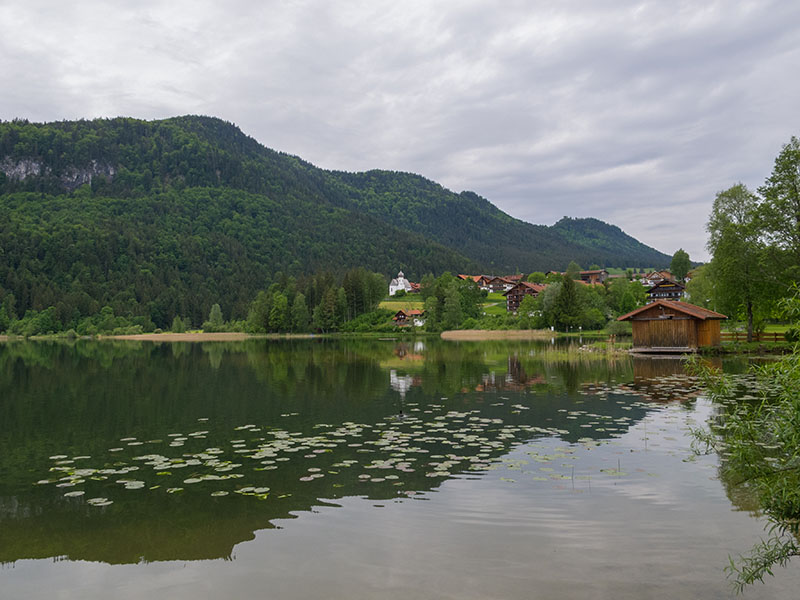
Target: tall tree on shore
<point>780,210</point>
<point>452,313</point>
<point>433,309</point>
<point>680,264</point>
<point>215,321</point>
<point>279,319</point>
<point>567,307</point>
<point>741,277</point>
<point>300,313</point>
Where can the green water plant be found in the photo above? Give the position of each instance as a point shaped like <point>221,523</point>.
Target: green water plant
<point>758,441</point>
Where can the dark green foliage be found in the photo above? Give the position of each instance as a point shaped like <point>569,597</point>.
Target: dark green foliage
<point>700,288</point>
<point>744,283</point>
<point>477,229</point>
<point>624,296</point>
<point>605,244</point>
<point>680,264</point>
<point>536,277</point>
<point>433,313</point>
<point>573,270</point>
<point>554,277</point>
<point>615,327</point>
<point>379,320</point>
<point>527,312</point>
<point>300,316</point>
<point>258,315</point>
<point>279,317</point>
<point>757,443</point>
<point>104,322</point>
<point>178,325</point>
<point>165,218</point>
<point>215,321</point>
<point>452,314</point>
<point>567,310</point>
<point>180,252</point>
<point>781,208</point>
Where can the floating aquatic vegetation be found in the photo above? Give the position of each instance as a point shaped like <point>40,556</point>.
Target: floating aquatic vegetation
<point>432,442</point>
<point>100,501</point>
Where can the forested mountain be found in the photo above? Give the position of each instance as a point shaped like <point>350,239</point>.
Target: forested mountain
<point>168,217</point>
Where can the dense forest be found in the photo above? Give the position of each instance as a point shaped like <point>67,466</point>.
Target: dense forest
<point>165,218</point>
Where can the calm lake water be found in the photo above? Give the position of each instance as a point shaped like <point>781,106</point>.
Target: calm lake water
<point>359,469</point>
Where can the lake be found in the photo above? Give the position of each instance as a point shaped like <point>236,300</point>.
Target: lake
<point>360,469</point>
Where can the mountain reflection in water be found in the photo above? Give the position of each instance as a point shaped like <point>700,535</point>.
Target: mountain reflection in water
<point>137,452</point>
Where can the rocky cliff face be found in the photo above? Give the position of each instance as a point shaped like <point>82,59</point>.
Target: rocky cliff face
<point>70,178</point>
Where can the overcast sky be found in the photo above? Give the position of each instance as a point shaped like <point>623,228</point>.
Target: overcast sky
<point>636,113</point>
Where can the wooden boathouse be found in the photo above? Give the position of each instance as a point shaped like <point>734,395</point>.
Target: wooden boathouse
<point>672,326</point>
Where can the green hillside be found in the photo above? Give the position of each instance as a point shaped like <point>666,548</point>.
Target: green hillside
<point>478,229</point>
<point>167,217</point>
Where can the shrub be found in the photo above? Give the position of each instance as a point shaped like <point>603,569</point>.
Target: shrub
<point>469,323</point>
<point>178,326</point>
<point>792,335</point>
<point>615,327</point>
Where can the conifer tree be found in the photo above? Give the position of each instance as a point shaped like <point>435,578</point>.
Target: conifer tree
<point>567,307</point>
<point>299,313</point>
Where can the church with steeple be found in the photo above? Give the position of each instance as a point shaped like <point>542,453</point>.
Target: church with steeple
<point>400,283</point>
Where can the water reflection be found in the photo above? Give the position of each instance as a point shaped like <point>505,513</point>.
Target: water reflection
<point>126,452</point>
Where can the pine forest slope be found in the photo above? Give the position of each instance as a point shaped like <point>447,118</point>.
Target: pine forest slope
<point>167,217</point>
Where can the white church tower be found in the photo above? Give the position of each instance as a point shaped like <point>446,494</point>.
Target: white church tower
<point>399,283</point>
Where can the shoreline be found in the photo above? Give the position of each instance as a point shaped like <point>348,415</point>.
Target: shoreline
<point>223,336</point>
<point>179,337</point>
<point>476,335</point>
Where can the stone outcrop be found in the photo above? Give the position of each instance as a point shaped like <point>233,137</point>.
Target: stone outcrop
<point>71,177</point>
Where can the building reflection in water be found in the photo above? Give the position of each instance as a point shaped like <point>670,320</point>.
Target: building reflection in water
<point>515,379</point>
<point>402,383</point>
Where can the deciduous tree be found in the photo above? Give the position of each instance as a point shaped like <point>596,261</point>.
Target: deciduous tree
<point>740,275</point>
<point>680,264</point>
<point>781,207</point>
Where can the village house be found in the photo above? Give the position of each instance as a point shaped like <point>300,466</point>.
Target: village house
<point>415,317</point>
<point>592,276</point>
<point>481,280</point>
<point>666,290</point>
<point>493,283</point>
<point>672,326</point>
<point>501,284</point>
<point>515,295</point>
<point>654,277</point>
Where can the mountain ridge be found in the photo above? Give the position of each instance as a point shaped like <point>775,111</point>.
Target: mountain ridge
<point>78,201</point>
<point>213,152</point>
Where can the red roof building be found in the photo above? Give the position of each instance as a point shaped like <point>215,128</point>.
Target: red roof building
<point>515,295</point>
